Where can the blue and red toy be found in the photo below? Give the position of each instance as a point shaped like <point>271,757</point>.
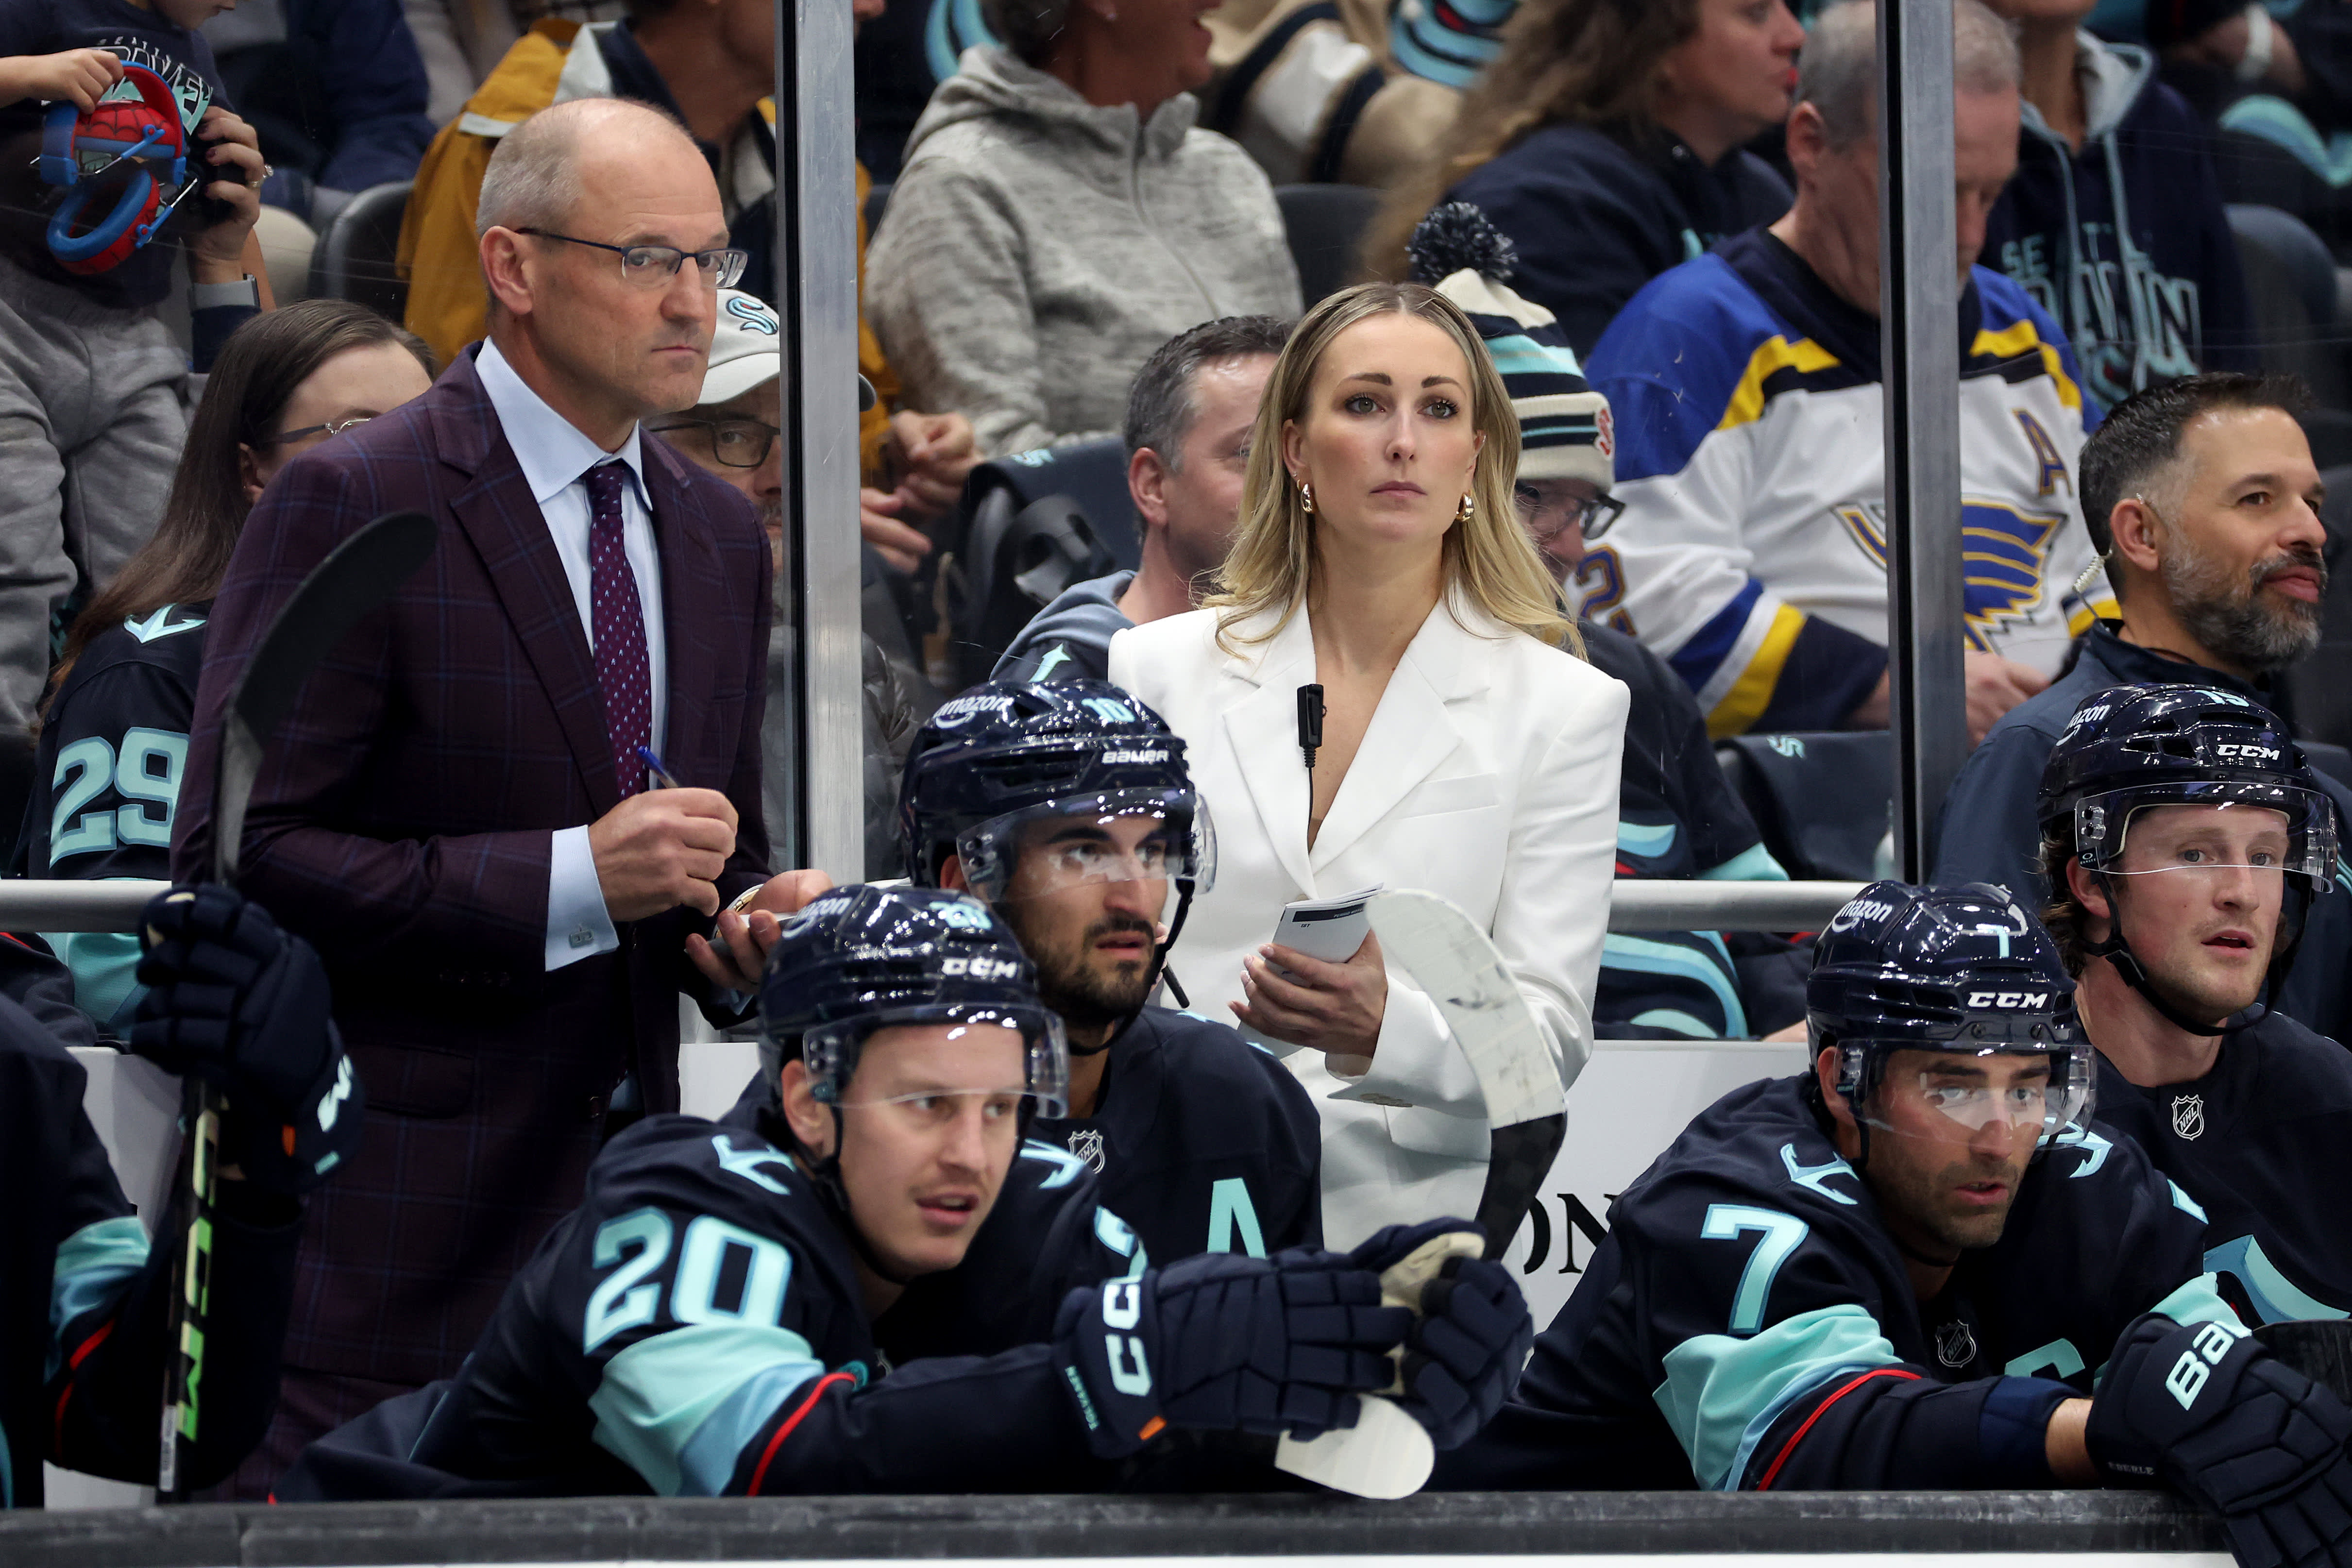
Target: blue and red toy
<point>136,123</point>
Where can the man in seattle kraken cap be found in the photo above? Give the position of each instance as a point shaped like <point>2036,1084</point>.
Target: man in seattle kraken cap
<point>721,1315</point>
<point>2184,840</point>
<point>1066,808</point>
<point>1902,1269</point>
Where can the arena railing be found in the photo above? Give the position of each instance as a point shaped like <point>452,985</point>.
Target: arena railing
<point>28,905</point>
<point>1850,1529</point>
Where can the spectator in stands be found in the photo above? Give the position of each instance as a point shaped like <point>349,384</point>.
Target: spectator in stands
<point>712,64</point>
<point>1190,417</point>
<point>90,377</point>
<point>1466,748</point>
<point>1060,217</point>
<point>1606,140</point>
<point>456,814</point>
<point>462,41</point>
<point>2114,221</point>
<point>2203,500</point>
<point>1356,93</point>
<point>1676,815</point>
<point>731,433</point>
<point>114,729</point>
<point>336,91</point>
<point>1746,385</point>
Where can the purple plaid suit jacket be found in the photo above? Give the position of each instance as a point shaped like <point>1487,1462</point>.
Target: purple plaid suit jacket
<point>402,823</point>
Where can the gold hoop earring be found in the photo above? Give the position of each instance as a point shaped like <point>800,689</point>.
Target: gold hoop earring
<point>1306,497</point>
<point>1469,508</point>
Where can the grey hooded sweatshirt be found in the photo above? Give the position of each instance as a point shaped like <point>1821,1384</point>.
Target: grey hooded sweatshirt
<point>1036,250</point>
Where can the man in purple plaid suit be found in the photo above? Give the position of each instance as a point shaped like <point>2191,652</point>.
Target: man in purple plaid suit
<point>458,815</point>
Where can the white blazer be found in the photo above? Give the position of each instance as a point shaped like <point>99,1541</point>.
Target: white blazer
<point>1488,774</point>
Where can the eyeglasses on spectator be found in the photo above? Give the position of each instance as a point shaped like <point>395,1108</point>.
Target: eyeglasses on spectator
<point>332,427</point>
<point>652,266</point>
<point>736,443</point>
<point>1545,516</point>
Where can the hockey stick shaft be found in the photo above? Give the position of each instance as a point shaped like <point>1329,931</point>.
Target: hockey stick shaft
<point>357,576</point>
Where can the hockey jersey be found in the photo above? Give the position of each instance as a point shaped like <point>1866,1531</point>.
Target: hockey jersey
<point>696,1328</point>
<point>1748,1323</point>
<point>83,1310</point>
<point>2264,1141</point>
<point>106,784</point>
<point>1752,552</point>
<point>1203,1141</point>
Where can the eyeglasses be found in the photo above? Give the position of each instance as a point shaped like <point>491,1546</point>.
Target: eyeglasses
<point>332,427</point>
<point>736,443</point>
<point>1545,519</point>
<point>652,266</point>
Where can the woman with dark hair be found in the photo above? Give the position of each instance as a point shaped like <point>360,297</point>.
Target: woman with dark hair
<point>1606,142</point>
<point>114,730</point>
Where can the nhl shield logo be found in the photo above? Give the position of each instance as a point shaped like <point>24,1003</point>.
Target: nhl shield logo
<point>2189,1116</point>
<point>1086,1144</point>
<point>1955,1344</point>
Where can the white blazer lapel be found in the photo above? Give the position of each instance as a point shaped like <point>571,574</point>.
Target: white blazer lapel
<point>1410,735</point>
<point>1262,727</point>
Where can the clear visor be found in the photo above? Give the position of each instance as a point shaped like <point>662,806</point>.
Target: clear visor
<point>1976,1089</point>
<point>2267,829</point>
<point>832,1053</point>
<point>1118,835</point>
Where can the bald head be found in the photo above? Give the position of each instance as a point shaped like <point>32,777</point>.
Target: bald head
<point>535,176</point>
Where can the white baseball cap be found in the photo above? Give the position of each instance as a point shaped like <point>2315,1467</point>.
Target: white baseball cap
<point>747,350</point>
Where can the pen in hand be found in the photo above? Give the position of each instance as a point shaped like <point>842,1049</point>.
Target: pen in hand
<point>654,768</point>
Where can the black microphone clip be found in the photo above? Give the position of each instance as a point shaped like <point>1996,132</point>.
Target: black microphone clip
<point>1310,722</point>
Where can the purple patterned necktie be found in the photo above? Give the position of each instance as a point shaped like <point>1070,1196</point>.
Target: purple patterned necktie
<point>618,623</point>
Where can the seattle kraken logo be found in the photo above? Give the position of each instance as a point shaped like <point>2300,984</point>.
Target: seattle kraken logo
<point>1086,1144</point>
<point>2189,1116</point>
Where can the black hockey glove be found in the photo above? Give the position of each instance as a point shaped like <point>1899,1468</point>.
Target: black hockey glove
<point>233,1000</point>
<point>2210,1413</point>
<point>1221,1343</point>
<point>1471,1331</point>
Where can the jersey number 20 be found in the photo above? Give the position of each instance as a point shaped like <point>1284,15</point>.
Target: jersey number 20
<point>622,1301</point>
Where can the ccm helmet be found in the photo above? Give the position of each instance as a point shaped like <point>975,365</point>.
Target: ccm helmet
<point>1963,970</point>
<point>1006,754</point>
<point>2131,748</point>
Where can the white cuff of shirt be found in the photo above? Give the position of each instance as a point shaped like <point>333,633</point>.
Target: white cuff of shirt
<point>577,925</point>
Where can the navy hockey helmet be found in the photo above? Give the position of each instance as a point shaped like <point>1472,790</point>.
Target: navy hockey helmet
<point>862,958</point>
<point>1963,970</point>
<point>2129,748</point>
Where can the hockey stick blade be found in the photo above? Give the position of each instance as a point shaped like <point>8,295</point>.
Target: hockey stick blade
<point>1456,964</point>
<point>357,576</point>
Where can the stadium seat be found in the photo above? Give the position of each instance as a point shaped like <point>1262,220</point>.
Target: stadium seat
<point>1821,801</point>
<point>355,259</point>
<point>1325,227</point>
<point>2291,280</point>
<point>1031,525</point>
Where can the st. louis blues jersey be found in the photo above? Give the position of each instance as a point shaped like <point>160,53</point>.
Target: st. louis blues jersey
<point>1748,1323</point>
<point>1751,461</point>
<point>696,1328</point>
<point>1203,1141</point>
<point>106,784</point>
<point>2264,1141</point>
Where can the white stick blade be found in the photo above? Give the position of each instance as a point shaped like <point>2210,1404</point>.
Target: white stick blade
<point>1386,1454</point>
<point>1456,964</point>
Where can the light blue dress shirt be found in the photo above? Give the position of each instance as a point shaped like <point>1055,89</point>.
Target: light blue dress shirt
<point>555,459</point>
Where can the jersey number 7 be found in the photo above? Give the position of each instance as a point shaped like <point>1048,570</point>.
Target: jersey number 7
<point>1781,1235</point>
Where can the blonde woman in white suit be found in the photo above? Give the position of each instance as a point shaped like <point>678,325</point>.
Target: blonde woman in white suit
<point>1467,748</point>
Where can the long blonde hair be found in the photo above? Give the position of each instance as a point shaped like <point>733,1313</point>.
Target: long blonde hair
<point>1488,559</point>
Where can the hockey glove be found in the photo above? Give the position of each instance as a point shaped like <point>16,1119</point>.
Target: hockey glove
<point>233,1000</point>
<point>1471,1331</point>
<point>2210,1413</point>
<point>1221,1343</point>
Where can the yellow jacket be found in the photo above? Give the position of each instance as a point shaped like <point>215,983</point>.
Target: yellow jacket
<point>556,61</point>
